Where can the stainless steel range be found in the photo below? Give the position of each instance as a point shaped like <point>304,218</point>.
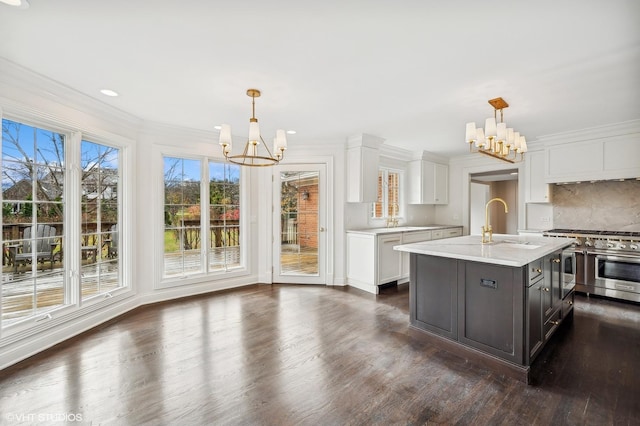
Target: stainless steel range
<point>607,262</point>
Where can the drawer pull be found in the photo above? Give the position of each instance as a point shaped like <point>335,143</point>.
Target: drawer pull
<point>538,270</point>
<point>545,289</point>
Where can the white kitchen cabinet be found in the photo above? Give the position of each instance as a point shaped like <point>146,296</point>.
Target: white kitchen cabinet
<point>361,258</point>
<point>446,233</point>
<point>593,156</point>
<point>428,182</point>
<point>389,261</point>
<point>372,261</point>
<point>367,266</point>
<point>363,157</point>
<point>408,238</point>
<point>536,189</point>
<point>573,162</point>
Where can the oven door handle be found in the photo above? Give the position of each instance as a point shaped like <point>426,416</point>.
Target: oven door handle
<point>618,257</point>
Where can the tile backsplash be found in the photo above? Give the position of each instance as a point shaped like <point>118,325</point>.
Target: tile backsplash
<point>609,206</point>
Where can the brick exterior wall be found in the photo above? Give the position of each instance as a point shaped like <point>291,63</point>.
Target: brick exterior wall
<point>308,216</point>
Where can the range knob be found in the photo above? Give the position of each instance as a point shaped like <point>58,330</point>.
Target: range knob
<point>610,245</point>
<point>633,247</point>
<point>622,246</point>
<point>588,243</point>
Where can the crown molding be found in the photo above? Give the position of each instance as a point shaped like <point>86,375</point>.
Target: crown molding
<point>25,92</point>
<point>591,133</point>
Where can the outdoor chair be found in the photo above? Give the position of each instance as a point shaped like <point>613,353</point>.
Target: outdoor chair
<point>45,243</point>
<point>112,243</point>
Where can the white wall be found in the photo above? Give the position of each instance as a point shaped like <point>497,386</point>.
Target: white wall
<point>479,194</point>
<point>539,216</point>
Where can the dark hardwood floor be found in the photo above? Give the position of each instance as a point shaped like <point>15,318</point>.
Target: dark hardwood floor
<point>313,355</point>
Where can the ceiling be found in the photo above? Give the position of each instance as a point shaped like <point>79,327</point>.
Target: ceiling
<point>411,71</point>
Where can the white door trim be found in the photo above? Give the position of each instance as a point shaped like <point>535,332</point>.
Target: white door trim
<point>325,221</point>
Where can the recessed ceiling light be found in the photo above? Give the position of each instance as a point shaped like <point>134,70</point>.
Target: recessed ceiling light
<point>291,132</point>
<point>21,4</point>
<point>109,92</point>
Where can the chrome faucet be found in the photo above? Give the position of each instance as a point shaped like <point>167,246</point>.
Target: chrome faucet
<point>486,229</point>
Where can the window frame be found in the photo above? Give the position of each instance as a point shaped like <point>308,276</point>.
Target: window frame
<point>74,306</point>
<point>119,221</point>
<point>385,195</point>
<point>205,274</point>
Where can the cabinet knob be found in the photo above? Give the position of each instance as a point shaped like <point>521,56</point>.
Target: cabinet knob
<point>545,289</point>
<point>556,260</point>
<point>556,322</point>
<point>569,302</point>
<point>538,270</point>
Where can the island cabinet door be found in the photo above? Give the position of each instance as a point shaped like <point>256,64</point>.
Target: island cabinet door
<point>491,311</point>
<point>433,294</point>
<point>534,330</point>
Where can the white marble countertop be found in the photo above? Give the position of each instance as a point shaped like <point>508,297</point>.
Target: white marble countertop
<point>376,231</point>
<point>508,250</point>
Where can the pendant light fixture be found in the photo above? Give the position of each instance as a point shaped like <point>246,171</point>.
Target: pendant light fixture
<point>496,140</point>
<point>253,154</point>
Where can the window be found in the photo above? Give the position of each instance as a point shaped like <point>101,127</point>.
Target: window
<point>54,260</point>
<point>100,236</point>
<point>224,216</point>
<point>182,240</point>
<point>185,216</point>
<point>33,235</point>
<point>389,203</point>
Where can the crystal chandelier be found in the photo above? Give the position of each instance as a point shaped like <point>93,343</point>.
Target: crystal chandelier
<point>496,140</point>
<point>252,155</point>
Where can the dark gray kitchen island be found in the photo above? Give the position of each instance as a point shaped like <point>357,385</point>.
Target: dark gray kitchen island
<point>496,304</point>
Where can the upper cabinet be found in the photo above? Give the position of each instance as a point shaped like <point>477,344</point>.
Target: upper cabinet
<point>536,189</point>
<point>363,157</point>
<point>428,182</point>
<point>609,152</point>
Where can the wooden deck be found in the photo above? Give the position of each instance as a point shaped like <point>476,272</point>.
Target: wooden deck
<point>295,260</point>
<point>25,293</point>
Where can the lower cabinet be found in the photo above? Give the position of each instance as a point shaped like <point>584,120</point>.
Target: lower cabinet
<point>372,261</point>
<point>567,305</point>
<point>389,261</point>
<point>506,312</point>
<point>491,314</point>
<point>546,308</point>
<point>535,318</point>
<point>408,238</point>
<point>433,307</point>
<point>551,293</point>
<point>446,233</point>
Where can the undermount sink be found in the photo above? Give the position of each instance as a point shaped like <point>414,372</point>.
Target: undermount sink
<point>518,244</point>
<point>524,246</point>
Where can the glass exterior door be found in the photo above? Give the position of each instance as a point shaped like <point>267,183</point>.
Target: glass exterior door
<point>299,240</point>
